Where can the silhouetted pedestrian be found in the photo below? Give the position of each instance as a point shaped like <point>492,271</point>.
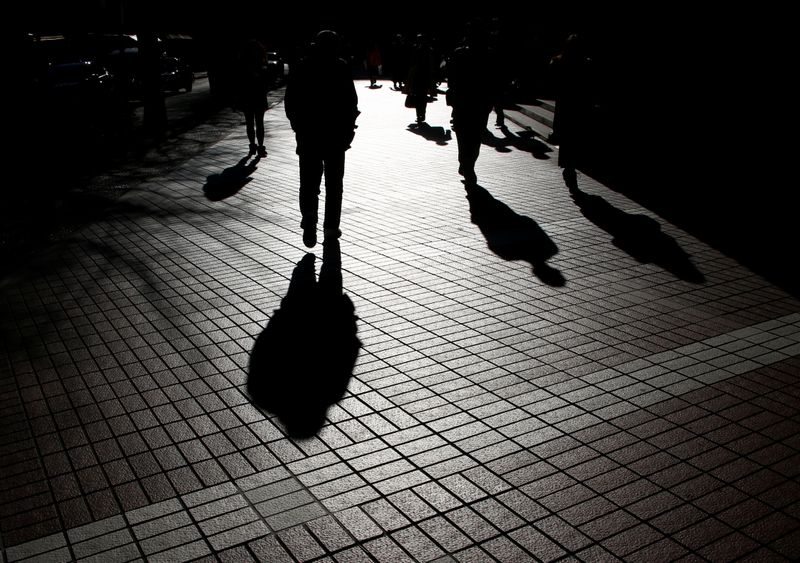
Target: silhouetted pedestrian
<point>322,106</point>
<point>421,80</point>
<point>500,59</point>
<point>398,61</point>
<point>252,95</point>
<point>374,63</point>
<point>470,93</point>
<point>572,75</point>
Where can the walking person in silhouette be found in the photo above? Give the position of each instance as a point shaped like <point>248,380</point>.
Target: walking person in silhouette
<point>470,93</point>
<point>398,61</point>
<point>253,87</point>
<point>572,70</point>
<point>421,79</point>
<point>500,57</point>
<point>374,63</point>
<point>322,106</point>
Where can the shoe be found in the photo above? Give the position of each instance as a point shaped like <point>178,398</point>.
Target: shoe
<point>253,149</point>
<point>469,175</point>
<point>262,151</point>
<point>310,237</point>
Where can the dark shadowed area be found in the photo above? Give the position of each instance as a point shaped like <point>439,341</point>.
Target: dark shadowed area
<point>302,362</point>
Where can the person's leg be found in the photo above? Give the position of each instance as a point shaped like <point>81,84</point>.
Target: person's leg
<point>468,137</point>
<point>566,160</point>
<point>475,141</point>
<point>460,140</point>
<point>249,123</point>
<point>471,144</point>
<point>334,188</point>
<point>477,125</point>
<point>259,119</point>
<point>500,113</point>
<point>310,179</point>
<point>463,129</point>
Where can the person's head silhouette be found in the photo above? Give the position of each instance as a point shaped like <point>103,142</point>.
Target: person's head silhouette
<point>326,44</point>
<point>574,46</point>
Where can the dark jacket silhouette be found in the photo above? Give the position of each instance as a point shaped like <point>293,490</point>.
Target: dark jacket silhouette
<point>253,86</point>
<point>421,80</point>
<point>321,101</point>
<point>572,73</point>
<point>470,92</point>
<point>322,106</point>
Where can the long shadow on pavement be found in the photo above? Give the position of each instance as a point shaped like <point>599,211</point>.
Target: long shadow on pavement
<point>512,236</point>
<point>302,361</point>
<point>231,180</point>
<point>437,134</point>
<point>638,235</point>
<point>524,141</point>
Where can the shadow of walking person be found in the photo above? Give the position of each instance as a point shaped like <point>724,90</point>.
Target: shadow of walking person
<point>230,181</point>
<point>524,141</point>
<point>438,134</point>
<point>302,361</point>
<point>638,235</point>
<point>512,236</point>
<point>491,140</point>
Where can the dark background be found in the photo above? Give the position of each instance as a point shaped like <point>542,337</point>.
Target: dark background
<point>696,105</point>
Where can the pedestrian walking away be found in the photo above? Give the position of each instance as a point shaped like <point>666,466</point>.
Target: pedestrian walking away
<point>252,92</point>
<point>374,64</point>
<point>420,83</point>
<point>470,93</point>
<point>572,69</point>
<point>322,106</point>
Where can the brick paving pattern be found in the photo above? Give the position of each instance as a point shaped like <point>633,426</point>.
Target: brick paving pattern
<point>542,375</point>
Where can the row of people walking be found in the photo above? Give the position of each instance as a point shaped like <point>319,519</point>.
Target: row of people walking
<point>321,104</point>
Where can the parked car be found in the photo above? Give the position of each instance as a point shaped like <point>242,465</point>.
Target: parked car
<point>126,65</point>
<point>175,75</point>
<point>82,96</point>
<point>81,81</point>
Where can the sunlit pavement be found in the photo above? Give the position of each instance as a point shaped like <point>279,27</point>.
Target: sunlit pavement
<point>543,374</point>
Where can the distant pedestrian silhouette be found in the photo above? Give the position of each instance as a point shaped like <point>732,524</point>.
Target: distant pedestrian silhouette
<point>322,106</point>
<point>398,61</point>
<point>253,85</point>
<point>500,60</point>
<point>573,79</point>
<point>374,64</point>
<point>470,92</point>
<point>421,81</point>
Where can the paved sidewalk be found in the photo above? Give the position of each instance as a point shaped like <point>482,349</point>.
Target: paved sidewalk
<point>541,375</point>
